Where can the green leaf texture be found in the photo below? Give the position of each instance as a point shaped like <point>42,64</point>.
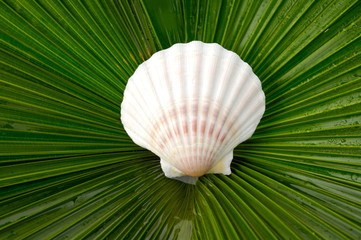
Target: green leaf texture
<point>69,170</point>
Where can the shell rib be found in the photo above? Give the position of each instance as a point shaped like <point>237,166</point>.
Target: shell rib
<point>191,105</point>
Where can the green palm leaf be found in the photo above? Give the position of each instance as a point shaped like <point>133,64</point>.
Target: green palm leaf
<point>68,168</point>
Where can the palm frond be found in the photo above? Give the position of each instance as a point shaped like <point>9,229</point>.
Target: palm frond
<point>68,168</point>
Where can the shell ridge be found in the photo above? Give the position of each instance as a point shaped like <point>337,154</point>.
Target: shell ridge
<point>184,111</point>
<point>156,96</point>
<point>238,98</point>
<point>248,127</point>
<point>223,109</point>
<point>231,143</point>
<point>167,131</point>
<point>187,87</point>
<point>149,93</point>
<point>255,120</point>
<point>227,126</point>
<point>245,133</point>
<point>203,98</point>
<point>125,111</point>
<point>175,151</point>
<point>199,145</point>
<point>139,141</point>
<point>238,126</point>
<point>209,79</point>
<point>198,103</point>
<point>168,110</point>
<point>186,160</point>
<point>193,156</point>
<point>253,107</point>
<point>192,72</point>
<point>215,106</point>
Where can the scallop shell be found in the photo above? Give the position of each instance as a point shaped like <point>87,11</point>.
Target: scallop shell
<point>191,105</point>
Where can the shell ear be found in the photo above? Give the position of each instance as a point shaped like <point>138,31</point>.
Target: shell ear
<point>172,172</point>
<point>224,165</point>
<point>169,170</point>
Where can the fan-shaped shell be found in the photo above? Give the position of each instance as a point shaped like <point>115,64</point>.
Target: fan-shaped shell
<point>192,104</point>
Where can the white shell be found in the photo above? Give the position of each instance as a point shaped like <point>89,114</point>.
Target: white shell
<point>192,104</point>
